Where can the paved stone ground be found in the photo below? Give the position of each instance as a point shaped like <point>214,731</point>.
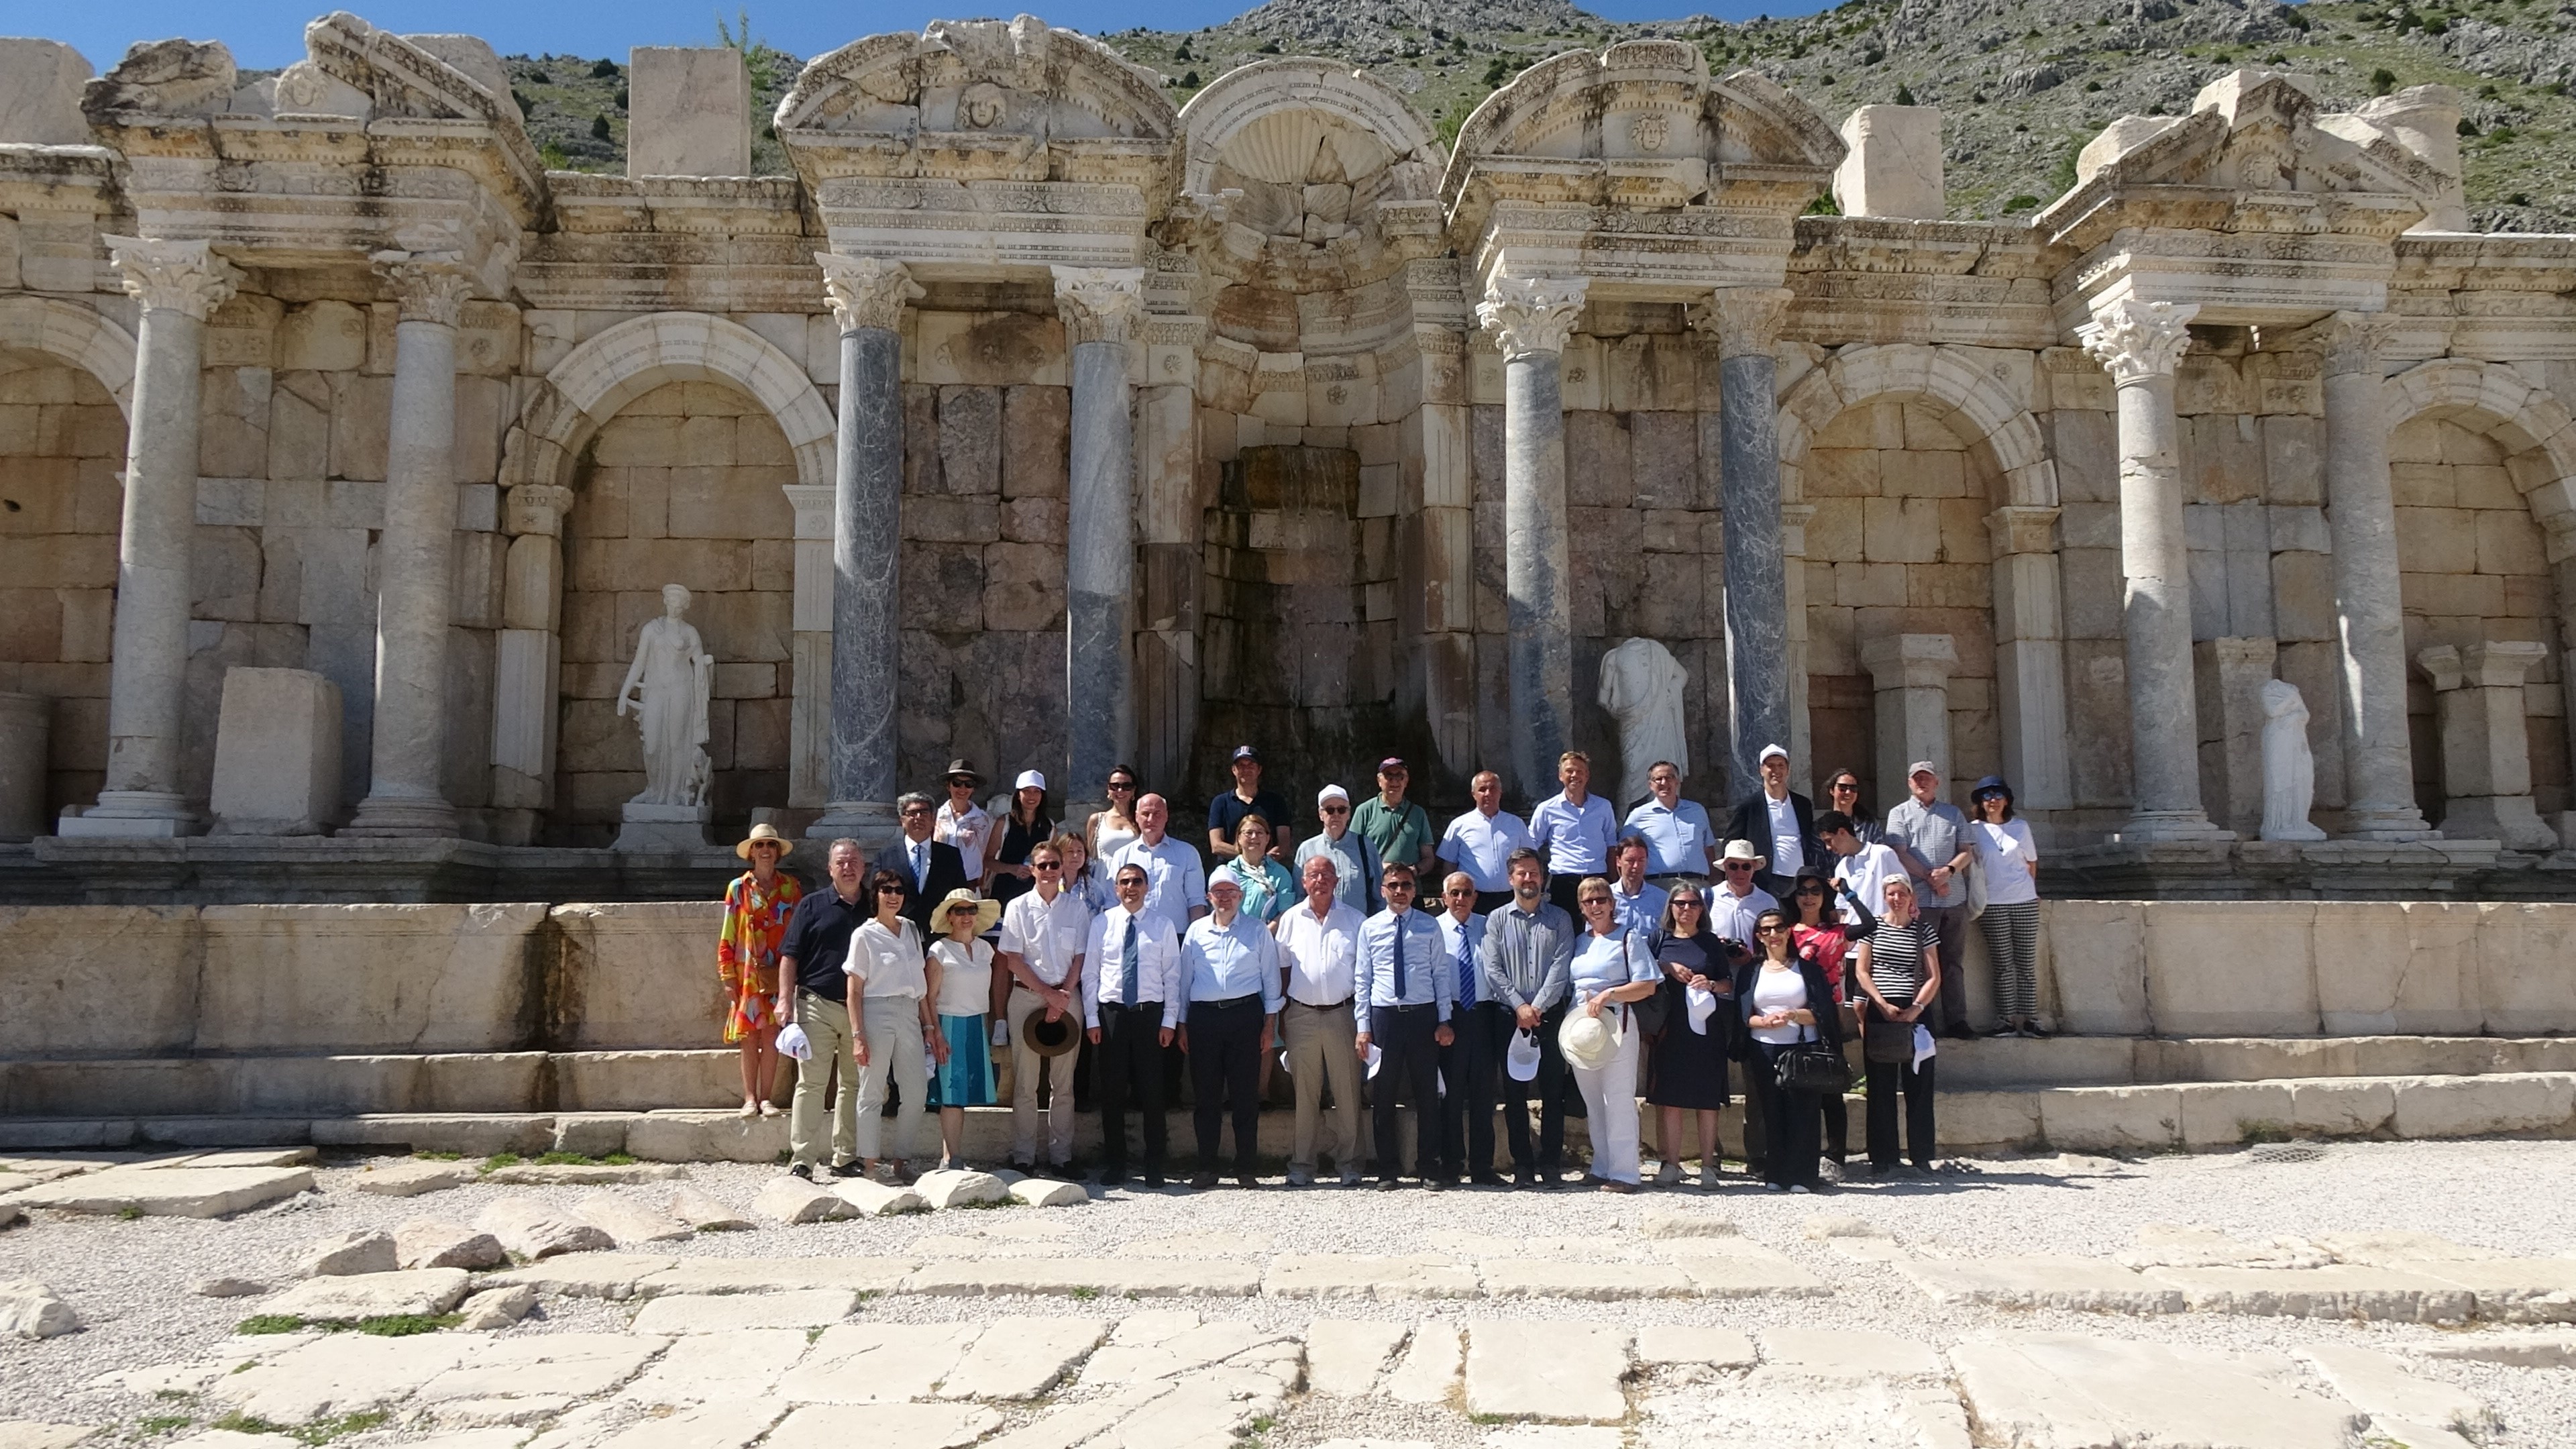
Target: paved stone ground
<point>2414,1293</point>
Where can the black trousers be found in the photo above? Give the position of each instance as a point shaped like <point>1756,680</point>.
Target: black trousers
<point>1225,1062</point>
<point>1886,1081</point>
<point>1549,1086</point>
<point>1837,1126</point>
<point>1560,893</point>
<point>1470,1065</point>
<point>1411,1061</point>
<point>1129,1065</point>
<point>1488,902</point>
<point>1789,1122</point>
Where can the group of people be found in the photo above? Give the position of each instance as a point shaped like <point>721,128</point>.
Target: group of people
<point>1578,961</point>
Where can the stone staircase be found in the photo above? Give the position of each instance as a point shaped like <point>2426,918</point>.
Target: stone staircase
<point>2070,1093</point>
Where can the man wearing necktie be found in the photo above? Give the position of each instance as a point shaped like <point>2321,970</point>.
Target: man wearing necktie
<point>1469,1062</point>
<point>1406,988</point>
<point>1132,1007</point>
<point>928,868</point>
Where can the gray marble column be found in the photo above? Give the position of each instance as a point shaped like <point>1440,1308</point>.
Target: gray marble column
<point>2370,616</point>
<point>1101,307</point>
<point>1747,321</point>
<point>180,284</point>
<point>1530,318</point>
<point>867,297</point>
<point>2141,344</point>
<point>416,568</point>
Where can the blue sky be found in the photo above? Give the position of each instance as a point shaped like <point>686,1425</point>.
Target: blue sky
<point>269,33</point>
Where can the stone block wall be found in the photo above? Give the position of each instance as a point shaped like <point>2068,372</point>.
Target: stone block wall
<point>1897,545</point>
<point>684,486</point>
<point>987,431</point>
<point>62,445</point>
<point>2473,569</point>
<point>1643,541</point>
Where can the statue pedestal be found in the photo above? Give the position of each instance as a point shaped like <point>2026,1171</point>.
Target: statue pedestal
<point>664,827</point>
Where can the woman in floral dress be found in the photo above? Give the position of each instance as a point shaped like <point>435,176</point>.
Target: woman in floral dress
<point>757,905</point>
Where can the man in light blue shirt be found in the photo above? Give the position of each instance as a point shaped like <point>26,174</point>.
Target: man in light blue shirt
<point>1680,842</point>
<point>1641,904</point>
<point>1175,881</point>
<point>1354,859</point>
<point>1406,990</point>
<point>1471,1064</point>
<point>1481,842</point>
<point>1575,829</point>
<point>1230,968</point>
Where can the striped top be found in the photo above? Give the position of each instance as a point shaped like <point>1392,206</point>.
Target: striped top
<point>1896,960</point>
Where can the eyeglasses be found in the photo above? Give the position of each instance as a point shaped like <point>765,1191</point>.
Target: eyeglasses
<point>1458,892</point>
<point>1844,787</point>
<point>1131,882</point>
<point>1591,901</point>
<point>1337,810</point>
<point>1686,903</point>
<point>1738,867</point>
<point>916,810</point>
<point>1771,930</point>
<point>1393,886</point>
<point>1122,784</point>
<point>1046,865</point>
<point>889,890</point>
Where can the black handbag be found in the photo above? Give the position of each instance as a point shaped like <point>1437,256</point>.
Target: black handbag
<point>1812,1066</point>
<point>1882,1040</point>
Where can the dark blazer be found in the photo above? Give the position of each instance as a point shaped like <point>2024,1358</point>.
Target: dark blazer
<point>947,873</point>
<point>1829,1022</point>
<point>1752,821</point>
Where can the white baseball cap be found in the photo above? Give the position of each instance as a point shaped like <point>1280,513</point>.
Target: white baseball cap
<point>1332,792</point>
<point>1029,780</point>
<point>1768,751</point>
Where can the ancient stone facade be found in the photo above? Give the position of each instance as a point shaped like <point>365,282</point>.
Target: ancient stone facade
<point>1036,420</point>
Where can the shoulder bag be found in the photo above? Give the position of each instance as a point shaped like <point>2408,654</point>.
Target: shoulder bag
<point>1812,1066</point>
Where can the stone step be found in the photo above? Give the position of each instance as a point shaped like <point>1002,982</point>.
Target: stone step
<point>2097,1119</point>
<point>442,1083</point>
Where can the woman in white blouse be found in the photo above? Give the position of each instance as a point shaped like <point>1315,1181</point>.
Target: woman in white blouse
<point>1611,968</point>
<point>896,1033</point>
<point>2010,864</point>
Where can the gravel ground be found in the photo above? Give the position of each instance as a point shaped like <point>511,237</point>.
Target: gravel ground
<point>128,1278</point>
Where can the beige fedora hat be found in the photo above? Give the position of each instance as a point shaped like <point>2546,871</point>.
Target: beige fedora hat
<point>768,832</point>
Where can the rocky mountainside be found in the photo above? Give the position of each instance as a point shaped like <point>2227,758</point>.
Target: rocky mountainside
<point>2022,84</point>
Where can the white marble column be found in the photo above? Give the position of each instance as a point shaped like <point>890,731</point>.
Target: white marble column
<point>1101,307</point>
<point>416,555</point>
<point>1530,318</point>
<point>1910,676</point>
<point>2486,744</point>
<point>867,297</point>
<point>2370,615</point>
<point>527,661</point>
<point>2030,655</point>
<point>1747,322</point>
<point>180,284</point>
<point>2141,344</point>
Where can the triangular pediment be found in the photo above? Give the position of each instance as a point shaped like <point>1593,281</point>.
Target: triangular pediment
<point>997,84</point>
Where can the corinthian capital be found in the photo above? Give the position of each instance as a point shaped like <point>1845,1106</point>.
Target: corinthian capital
<point>1746,319</point>
<point>429,286</point>
<point>1529,315</point>
<point>1099,304</point>
<point>866,291</point>
<point>2136,340</point>
<point>2347,341</point>
<point>186,276</point>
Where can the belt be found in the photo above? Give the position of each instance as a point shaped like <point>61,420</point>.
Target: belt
<point>1417,1006</point>
<point>1131,1006</point>
<point>1340,1005</point>
<point>1253,996</point>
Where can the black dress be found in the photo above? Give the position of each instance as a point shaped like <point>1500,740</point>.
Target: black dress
<point>1017,842</point>
<point>1689,1066</point>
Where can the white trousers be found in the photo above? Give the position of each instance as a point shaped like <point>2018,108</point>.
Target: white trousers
<point>1610,1100</point>
<point>896,1054</point>
<point>1025,1067</point>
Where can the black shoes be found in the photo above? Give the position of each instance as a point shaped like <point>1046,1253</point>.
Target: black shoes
<point>804,1170</point>
<point>848,1169</point>
<point>1487,1179</point>
<point>1959,1031</point>
<point>1203,1181</point>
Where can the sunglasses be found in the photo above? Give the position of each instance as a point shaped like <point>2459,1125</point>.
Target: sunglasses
<point>1737,867</point>
<point>1844,787</point>
<point>1458,892</point>
<point>1122,784</point>
<point>889,890</point>
<point>1337,810</point>
<point>1398,885</point>
<point>1768,930</point>
<point>1046,865</point>
<point>1686,903</point>
<point>1590,901</point>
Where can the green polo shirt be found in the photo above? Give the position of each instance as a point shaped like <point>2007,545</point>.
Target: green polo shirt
<point>1399,834</point>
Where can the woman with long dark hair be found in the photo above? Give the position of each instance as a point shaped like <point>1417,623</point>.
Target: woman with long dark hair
<point>2010,864</point>
<point>1689,1061</point>
<point>1817,934</point>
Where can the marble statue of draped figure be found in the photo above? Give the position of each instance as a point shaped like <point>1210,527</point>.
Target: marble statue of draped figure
<point>668,686</point>
<point>2289,766</point>
<point>1641,686</point>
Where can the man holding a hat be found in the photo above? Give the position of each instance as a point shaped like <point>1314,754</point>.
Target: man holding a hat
<point>1229,1007</point>
<point>1044,932</point>
<point>1931,838</point>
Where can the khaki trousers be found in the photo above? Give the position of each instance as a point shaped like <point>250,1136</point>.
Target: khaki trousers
<point>1321,1048</point>
<point>827,1026</point>
<point>1025,1067</point>
<point>896,1053</point>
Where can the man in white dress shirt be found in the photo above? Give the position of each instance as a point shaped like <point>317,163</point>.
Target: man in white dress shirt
<point>1481,842</point>
<point>1132,1009</point>
<point>1230,1004</point>
<point>1176,883</point>
<point>1737,903</point>
<point>1318,945</point>
<point>1780,822</point>
<point>1044,933</point>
